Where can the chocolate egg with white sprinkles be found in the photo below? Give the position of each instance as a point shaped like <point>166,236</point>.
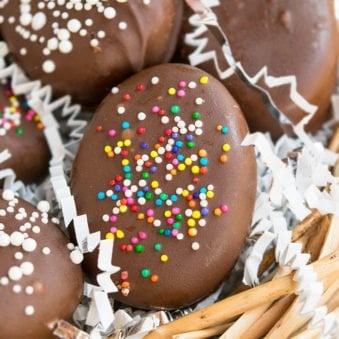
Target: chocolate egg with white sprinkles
<point>161,170</point>
<point>81,48</point>
<point>40,279</point>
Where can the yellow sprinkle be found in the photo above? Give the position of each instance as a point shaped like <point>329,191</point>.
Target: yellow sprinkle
<point>109,235</point>
<point>195,169</point>
<point>210,194</point>
<point>226,147</point>
<point>120,234</point>
<point>154,154</point>
<point>120,143</point>
<point>37,118</point>
<point>12,99</point>
<point>12,109</point>
<point>217,212</point>
<point>192,232</point>
<point>185,193</point>
<point>124,162</point>
<point>181,167</point>
<point>188,161</point>
<point>141,216</point>
<point>196,215</point>
<point>190,222</point>
<point>108,149</point>
<point>204,80</point>
<point>154,184</point>
<point>167,214</point>
<point>171,91</point>
<point>123,208</point>
<point>127,142</point>
<point>164,258</point>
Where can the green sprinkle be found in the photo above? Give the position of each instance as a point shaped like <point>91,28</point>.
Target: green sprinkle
<point>145,273</point>
<point>148,195</point>
<point>158,247</point>
<point>190,144</point>
<point>175,109</point>
<point>128,175</point>
<point>196,115</point>
<point>163,196</point>
<point>139,248</point>
<point>179,217</point>
<point>19,131</point>
<point>161,231</point>
<point>145,175</point>
<point>177,225</point>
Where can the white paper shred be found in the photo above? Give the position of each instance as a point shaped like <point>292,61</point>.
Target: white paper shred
<point>297,189</point>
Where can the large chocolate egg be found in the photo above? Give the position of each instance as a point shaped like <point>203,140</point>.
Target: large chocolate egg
<point>161,170</point>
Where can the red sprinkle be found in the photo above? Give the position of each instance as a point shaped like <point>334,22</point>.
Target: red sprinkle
<point>126,97</point>
<point>140,87</point>
<point>141,130</point>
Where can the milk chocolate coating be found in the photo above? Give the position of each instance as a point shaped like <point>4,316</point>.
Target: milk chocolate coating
<point>25,142</point>
<point>170,127</point>
<point>54,288</point>
<point>101,48</point>
<point>290,38</point>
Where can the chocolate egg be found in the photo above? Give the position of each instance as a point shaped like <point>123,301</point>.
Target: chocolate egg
<point>39,284</point>
<point>162,171</point>
<point>21,133</point>
<point>82,47</point>
<point>290,38</point>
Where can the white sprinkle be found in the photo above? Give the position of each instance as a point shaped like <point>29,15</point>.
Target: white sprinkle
<point>15,273</point>
<point>70,246</point>
<point>4,281</point>
<point>48,66</point>
<point>121,110</point>
<point>63,34</point>
<point>16,288</point>
<point>141,116</point>
<point>110,13</point>
<point>39,21</point>
<point>76,257</point>
<point>18,255</point>
<point>36,229</point>
<point>74,25</point>
<point>8,195</point>
<point>115,90</point>
<point>29,310</point>
<point>155,80</point>
<point>4,239</point>
<point>180,236</point>
<point>29,245</point>
<point>17,238</point>
<point>23,51</point>
<point>192,84</point>
<point>122,25</point>
<point>195,246</point>
<point>27,268</point>
<point>199,101</point>
<point>46,250</point>
<point>29,290</point>
<point>65,47</point>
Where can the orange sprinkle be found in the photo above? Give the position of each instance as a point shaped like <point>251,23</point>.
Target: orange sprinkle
<point>157,146</point>
<point>137,157</point>
<point>203,170</point>
<point>217,212</point>
<point>110,154</point>
<point>223,158</point>
<point>202,153</point>
<point>141,216</point>
<point>154,278</point>
<point>192,204</point>
<point>150,220</point>
<point>192,232</point>
<point>173,171</point>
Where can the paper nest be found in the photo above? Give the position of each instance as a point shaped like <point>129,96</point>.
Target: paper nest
<point>287,190</point>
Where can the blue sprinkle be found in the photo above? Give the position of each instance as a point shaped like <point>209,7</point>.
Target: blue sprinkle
<point>153,169</point>
<point>196,195</point>
<point>101,195</point>
<point>144,145</point>
<point>203,190</point>
<point>174,197</point>
<point>125,124</point>
<point>140,194</point>
<point>175,135</point>
<point>180,157</point>
<point>189,137</point>
<point>114,197</point>
<point>117,188</point>
<point>204,211</point>
<point>203,161</point>
<point>127,169</point>
<point>224,130</point>
<point>168,232</point>
<point>175,149</point>
<point>158,202</point>
<point>179,143</point>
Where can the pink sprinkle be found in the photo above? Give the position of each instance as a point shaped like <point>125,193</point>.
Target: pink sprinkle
<point>113,229</point>
<point>170,221</point>
<point>124,275</point>
<point>142,235</point>
<point>176,210</point>
<point>224,208</point>
<point>149,212</point>
<point>112,132</point>
<point>182,84</point>
<point>130,201</point>
<point>175,162</point>
<point>113,218</point>
<point>155,109</point>
<point>134,240</point>
<point>125,188</point>
<point>175,232</point>
<point>181,93</point>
